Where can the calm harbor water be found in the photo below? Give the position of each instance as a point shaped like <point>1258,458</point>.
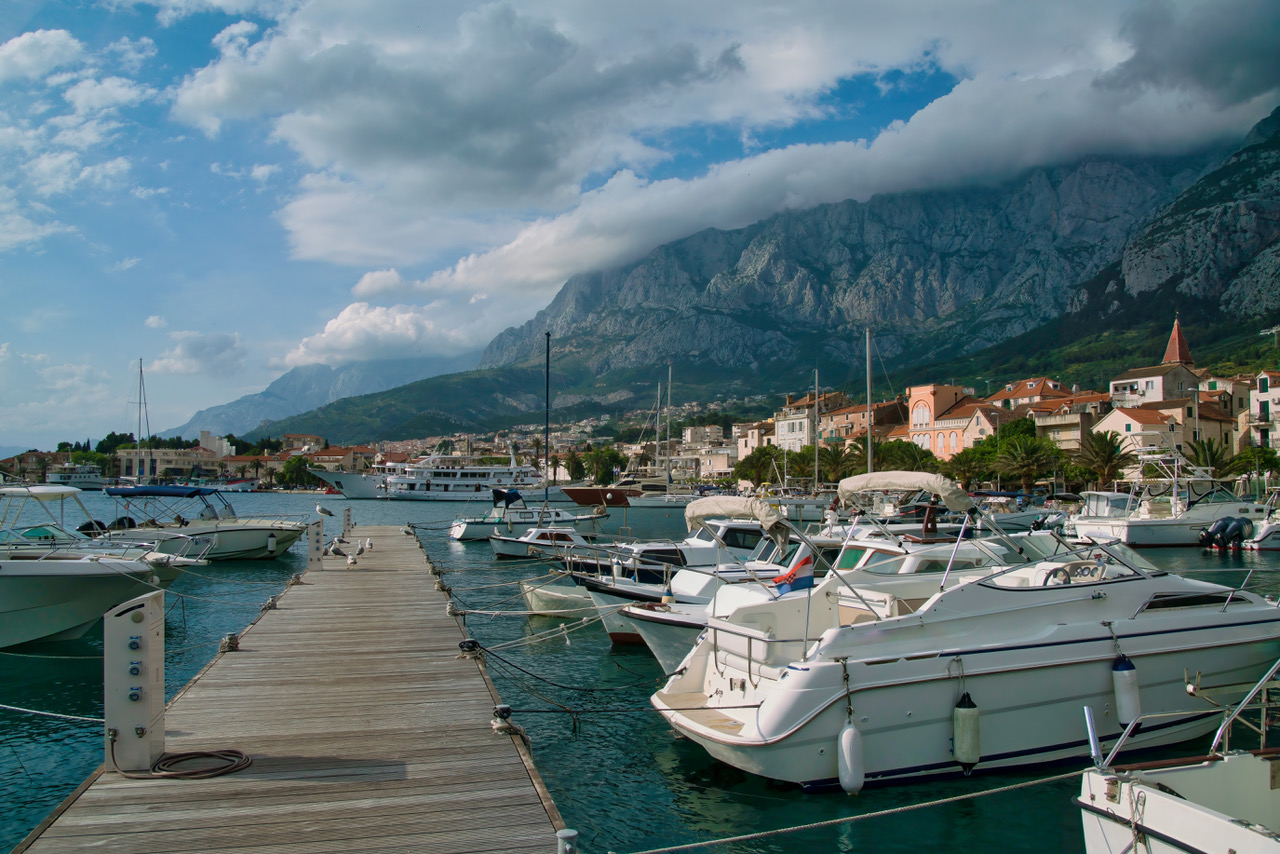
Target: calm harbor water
<point>615,770</point>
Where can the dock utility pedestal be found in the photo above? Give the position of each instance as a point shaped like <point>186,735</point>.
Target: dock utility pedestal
<point>133,683</point>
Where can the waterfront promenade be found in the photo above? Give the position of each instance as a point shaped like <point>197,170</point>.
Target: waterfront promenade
<point>365,730</point>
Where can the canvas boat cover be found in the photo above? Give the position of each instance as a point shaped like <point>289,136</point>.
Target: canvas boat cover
<point>734,507</point>
<point>948,490</point>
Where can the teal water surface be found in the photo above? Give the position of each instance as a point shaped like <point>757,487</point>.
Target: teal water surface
<point>615,770</point>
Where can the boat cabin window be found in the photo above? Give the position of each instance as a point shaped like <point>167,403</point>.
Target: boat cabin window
<point>849,558</point>
<point>675,557</point>
<point>742,538</point>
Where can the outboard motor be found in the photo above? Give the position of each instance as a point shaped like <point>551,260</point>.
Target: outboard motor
<point>1236,532</point>
<point>1211,537</point>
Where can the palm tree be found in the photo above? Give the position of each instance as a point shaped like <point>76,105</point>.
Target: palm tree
<point>835,462</point>
<point>1211,455</point>
<point>537,449</point>
<point>759,465</point>
<point>966,467</point>
<point>1026,458</point>
<point>1103,455</point>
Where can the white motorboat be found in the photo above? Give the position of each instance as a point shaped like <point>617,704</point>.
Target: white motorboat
<point>509,513</point>
<point>1266,532</point>
<point>44,522</point>
<point>861,550</point>
<point>59,595</point>
<point>170,516</point>
<point>1174,509</point>
<point>538,542</point>
<point>442,477</point>
<point>841,684</point>
<point>1222,800</point>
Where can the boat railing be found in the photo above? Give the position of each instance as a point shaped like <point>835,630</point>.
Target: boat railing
<point>1268,707</point>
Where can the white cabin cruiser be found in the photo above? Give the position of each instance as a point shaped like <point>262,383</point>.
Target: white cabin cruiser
<point>1266,532</point>
<point>169,516</point>
<point>510,513</point>
<point>842,684</point>
<point>1170,510</point>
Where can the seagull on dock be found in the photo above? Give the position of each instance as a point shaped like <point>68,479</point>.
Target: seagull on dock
<point>368,543</point>
<point>359,548</point>
<point>334,549</point>
<point>351,560</point>
<point>323,511</point>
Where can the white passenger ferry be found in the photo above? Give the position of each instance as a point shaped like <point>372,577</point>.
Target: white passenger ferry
<point>458,478</point>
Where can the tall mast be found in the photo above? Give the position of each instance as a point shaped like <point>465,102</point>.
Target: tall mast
<point>870,463</point>
<point>668,423</point>
<point>546,430</point>
<point>815,431</point>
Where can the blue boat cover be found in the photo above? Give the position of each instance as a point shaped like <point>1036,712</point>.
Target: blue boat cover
<point>160,491</point>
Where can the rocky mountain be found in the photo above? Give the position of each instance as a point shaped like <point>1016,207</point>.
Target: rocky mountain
<point>1218,241</point>
<point>312,386</point>
<point>1081,255</point>
<point>930,273</point>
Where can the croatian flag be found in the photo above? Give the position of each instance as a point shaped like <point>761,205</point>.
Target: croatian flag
<point>798,577</point>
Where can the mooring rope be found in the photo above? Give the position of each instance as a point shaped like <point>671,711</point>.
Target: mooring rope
<point>835,822</point>
<point>51,714</point>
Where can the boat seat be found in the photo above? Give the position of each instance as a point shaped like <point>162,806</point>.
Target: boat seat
<point>851,615</point>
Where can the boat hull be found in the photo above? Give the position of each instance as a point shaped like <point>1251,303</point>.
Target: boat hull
<point>64,604</point>
<point>1029,705</point>
<point>1224,805</point>
<point>357,485</point>
<point>240,539</point>
<point>669,635</point>
<point>557,599</point>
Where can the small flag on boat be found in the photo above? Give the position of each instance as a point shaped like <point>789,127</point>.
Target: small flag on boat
<point>799,577</point>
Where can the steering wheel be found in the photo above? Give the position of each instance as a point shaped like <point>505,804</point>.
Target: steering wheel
<point>1057,575</point>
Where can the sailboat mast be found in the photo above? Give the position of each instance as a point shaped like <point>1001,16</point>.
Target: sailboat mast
<point>870,462</point>
<point>546,430</point>
<point>815,431</point>
<point>668,423</point>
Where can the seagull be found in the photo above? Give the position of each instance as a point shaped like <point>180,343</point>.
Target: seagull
<point>407,531</point>
<point>368,543</point>
<point>351,560</point>
<point>335,550</point>
<point>359,548</point>
<point>323,511</point>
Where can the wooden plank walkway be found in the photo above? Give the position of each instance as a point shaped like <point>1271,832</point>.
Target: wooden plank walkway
<point>367,733</point>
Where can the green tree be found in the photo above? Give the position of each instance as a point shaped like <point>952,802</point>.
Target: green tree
<point>603,462</point>
<point>1103,455</point>
<point>758,466</point>
<point>294,472</point>
<point>1209,454</point>
<point>1254,460</point>
<point>900,455</point>
<point>1027,458</point>
<point>574,466</point>
<point>967,466</point>
<point>835,462</point>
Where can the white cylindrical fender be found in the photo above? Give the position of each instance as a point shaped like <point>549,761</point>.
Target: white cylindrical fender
<point>1124,681</point>
<point>271,544</point>
<point>616,566</point>
<point>964,733</point>
<point>850,759</point>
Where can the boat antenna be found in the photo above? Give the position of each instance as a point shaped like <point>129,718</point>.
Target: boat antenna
<point>668,424</point>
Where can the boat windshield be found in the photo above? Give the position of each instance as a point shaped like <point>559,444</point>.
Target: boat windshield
<point>995,552</point>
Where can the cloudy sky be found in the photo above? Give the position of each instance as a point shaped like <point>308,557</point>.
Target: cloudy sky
<point>226,189</point>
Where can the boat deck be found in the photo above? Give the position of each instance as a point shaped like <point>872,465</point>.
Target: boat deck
<point>366,731</point>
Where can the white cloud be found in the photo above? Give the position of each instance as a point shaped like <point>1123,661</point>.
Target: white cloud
<point>92,96</point>
<point>362,331</point>
<point>214,353</point>
<point>128,264</point>
<point>37,53</point>
<point>4,351</point>
<point>132,53</point>
<point>155,321</point>
<point>18,228</point>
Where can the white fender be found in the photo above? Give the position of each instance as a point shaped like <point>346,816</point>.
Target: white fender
<point>1124,681</point>
<point>964,733</point>
<point>850,760</point>
<point>271,544</point>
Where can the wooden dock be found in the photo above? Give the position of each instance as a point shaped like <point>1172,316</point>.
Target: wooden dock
<point>366,731</point>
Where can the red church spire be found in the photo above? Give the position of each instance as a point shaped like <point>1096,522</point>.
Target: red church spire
<point>1177,352</point>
